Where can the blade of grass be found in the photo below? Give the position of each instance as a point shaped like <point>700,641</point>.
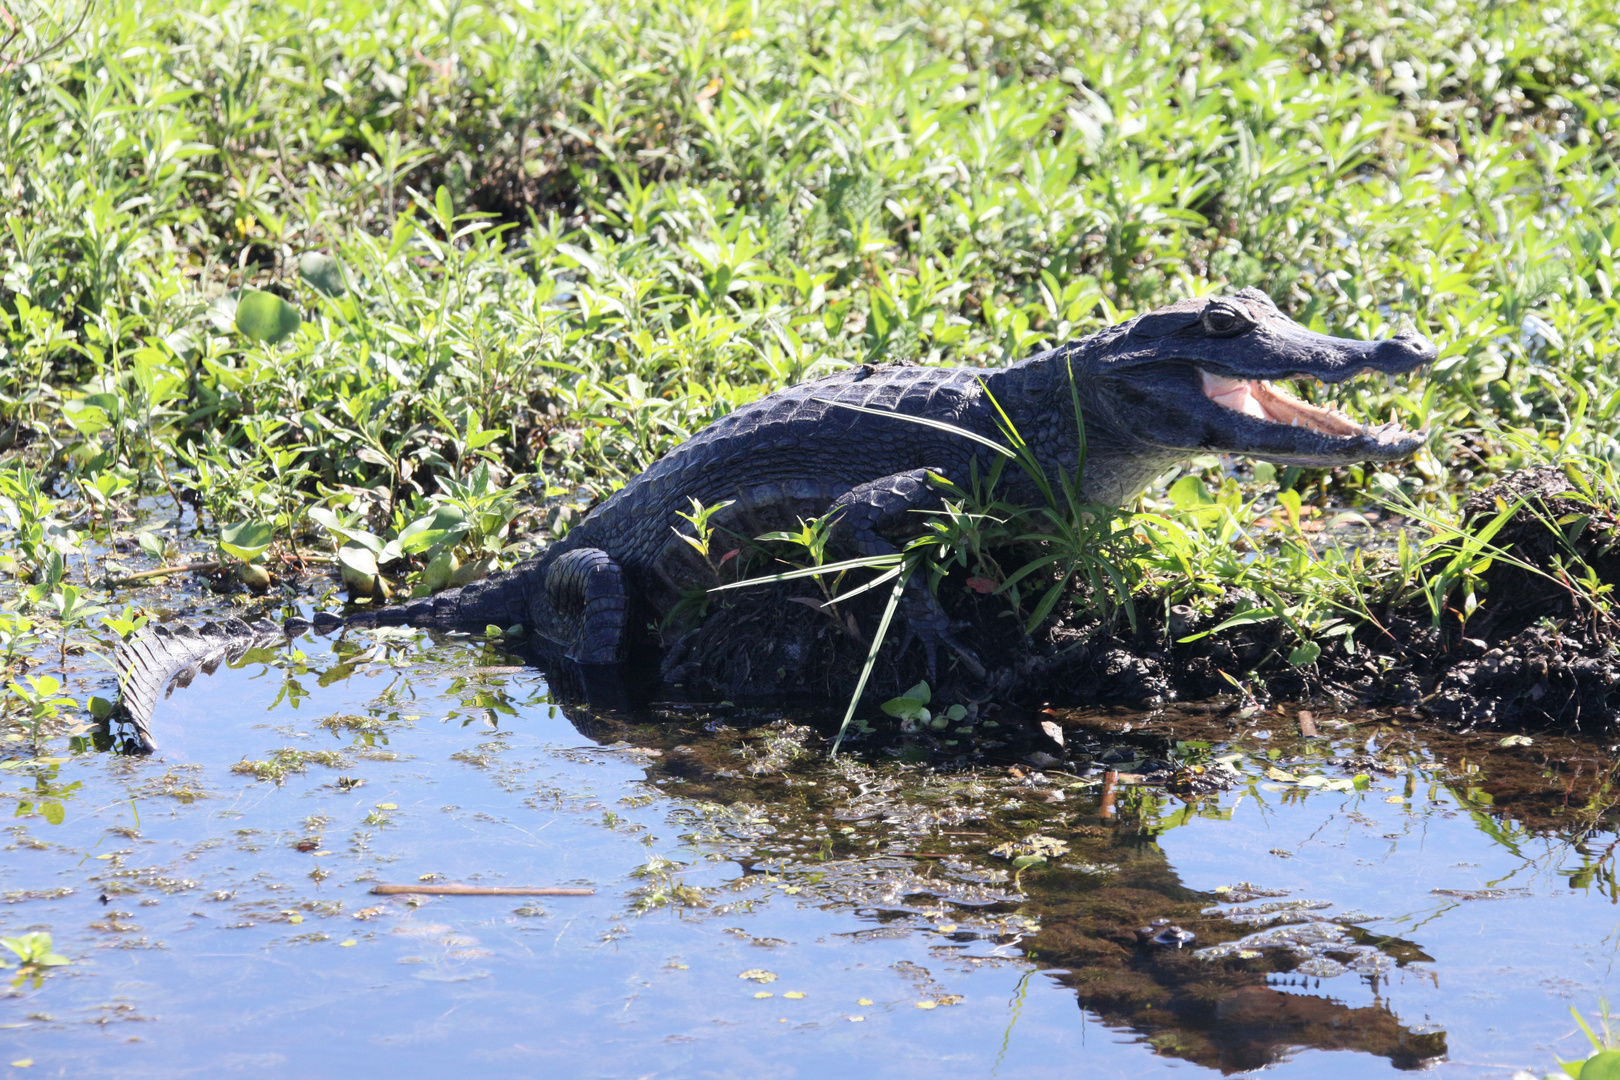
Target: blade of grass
<point>871,658</point>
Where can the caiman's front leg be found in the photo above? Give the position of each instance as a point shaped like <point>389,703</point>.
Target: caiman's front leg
<point>587,593</point>
<point>879,506</point>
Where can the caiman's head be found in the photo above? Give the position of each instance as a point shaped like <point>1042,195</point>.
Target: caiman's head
<point>1199,377</point>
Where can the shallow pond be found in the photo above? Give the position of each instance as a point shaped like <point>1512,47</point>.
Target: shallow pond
<point>760,911</point>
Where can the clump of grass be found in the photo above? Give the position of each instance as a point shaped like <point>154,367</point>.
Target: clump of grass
<point>287,761</point>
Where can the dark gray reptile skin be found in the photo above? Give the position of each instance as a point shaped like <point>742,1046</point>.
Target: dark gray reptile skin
<point>798,453</point>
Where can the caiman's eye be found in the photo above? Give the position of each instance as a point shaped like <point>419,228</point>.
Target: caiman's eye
<point>1223,320</point>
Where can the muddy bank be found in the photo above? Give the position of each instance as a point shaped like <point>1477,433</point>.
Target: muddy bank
<point>1534,652</point>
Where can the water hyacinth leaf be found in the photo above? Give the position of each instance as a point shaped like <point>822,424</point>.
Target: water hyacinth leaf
<point>322,273</point>
<point>246,540</point>
<point>1189,493</point>
<point>360,560</point>
<point>86,418</point>
<point>358,568</point>
<point>265,317</point>
<point>467,573</point>
<point>1605,1066</point>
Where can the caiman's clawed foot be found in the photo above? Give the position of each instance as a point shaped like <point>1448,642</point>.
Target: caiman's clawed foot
<point>927,623</point>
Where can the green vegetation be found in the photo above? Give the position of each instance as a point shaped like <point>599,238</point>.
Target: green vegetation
<point>1604,1061</point>
<point>372,293</point>
<point>278,765</point>
<point>32,955</point>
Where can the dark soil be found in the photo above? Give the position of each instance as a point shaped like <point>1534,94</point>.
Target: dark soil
<point>1533,654</point>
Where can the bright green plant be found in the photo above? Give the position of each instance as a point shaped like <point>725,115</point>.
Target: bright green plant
<point>911,709</point>
<point>34,956</point>
<point>1604,1061</point>
<point>40,701</point>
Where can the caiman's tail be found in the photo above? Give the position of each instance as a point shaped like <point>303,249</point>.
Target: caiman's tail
<point>498,600</point>
<point>159,659</point>
<point>152,663</point>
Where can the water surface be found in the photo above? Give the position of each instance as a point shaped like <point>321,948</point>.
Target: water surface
<point>760,911</point>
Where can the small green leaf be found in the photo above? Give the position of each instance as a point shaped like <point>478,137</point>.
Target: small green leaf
<point>53,812</point>
<point>1604,1065</point>
<point>246,540</point>
<point>358,559</point>
<point>99,707</point>
<point>265,317</point>
<point>153,545</point>
<point>1305,655</point>
<point>323,273</point>
<point>1516,740</point>
<point>1024,862</point>
<point>1189,493</point>
<point>442,203</point>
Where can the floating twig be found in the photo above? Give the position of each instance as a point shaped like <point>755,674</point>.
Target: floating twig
<point>476,890</point>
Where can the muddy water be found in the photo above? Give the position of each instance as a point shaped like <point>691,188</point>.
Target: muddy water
<point>760,911</point>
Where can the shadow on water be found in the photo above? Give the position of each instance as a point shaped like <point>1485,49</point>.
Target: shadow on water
<point>1223,928</point>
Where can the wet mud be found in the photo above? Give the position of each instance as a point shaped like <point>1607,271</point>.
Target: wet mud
<point>1534,653</point>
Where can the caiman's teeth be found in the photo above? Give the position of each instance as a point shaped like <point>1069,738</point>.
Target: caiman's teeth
<point>1263,401</point>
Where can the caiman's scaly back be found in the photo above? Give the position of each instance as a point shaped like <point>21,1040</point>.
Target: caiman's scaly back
<point>1191,378</point>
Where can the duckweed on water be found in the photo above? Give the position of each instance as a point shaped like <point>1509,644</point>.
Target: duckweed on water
<point>287,760</point>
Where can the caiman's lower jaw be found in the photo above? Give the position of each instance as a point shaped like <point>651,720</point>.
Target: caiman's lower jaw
<point>1263,401</point>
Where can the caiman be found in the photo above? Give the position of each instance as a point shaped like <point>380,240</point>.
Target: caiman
<point>1195,377</point>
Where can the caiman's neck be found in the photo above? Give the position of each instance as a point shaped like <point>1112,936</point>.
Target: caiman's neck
<point>1036,396</point>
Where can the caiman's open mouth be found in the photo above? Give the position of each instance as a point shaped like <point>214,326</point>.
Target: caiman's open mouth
<point>1264,401</point>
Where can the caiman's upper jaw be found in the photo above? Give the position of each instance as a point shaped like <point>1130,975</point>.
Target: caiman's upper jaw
<point>1319,435</point>
<point>1263,401</point>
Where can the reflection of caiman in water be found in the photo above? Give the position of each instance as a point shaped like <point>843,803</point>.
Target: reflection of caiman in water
<point>1100,913</point>
<point>1101,910</point>
<point>1104,913</point>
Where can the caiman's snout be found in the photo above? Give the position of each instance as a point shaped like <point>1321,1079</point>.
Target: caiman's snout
<point>1403,352</point>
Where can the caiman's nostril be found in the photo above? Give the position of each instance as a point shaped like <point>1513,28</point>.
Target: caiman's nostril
<point>1407,347</point>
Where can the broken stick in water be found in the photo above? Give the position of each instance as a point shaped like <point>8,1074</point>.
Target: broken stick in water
<point>475,890</point>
